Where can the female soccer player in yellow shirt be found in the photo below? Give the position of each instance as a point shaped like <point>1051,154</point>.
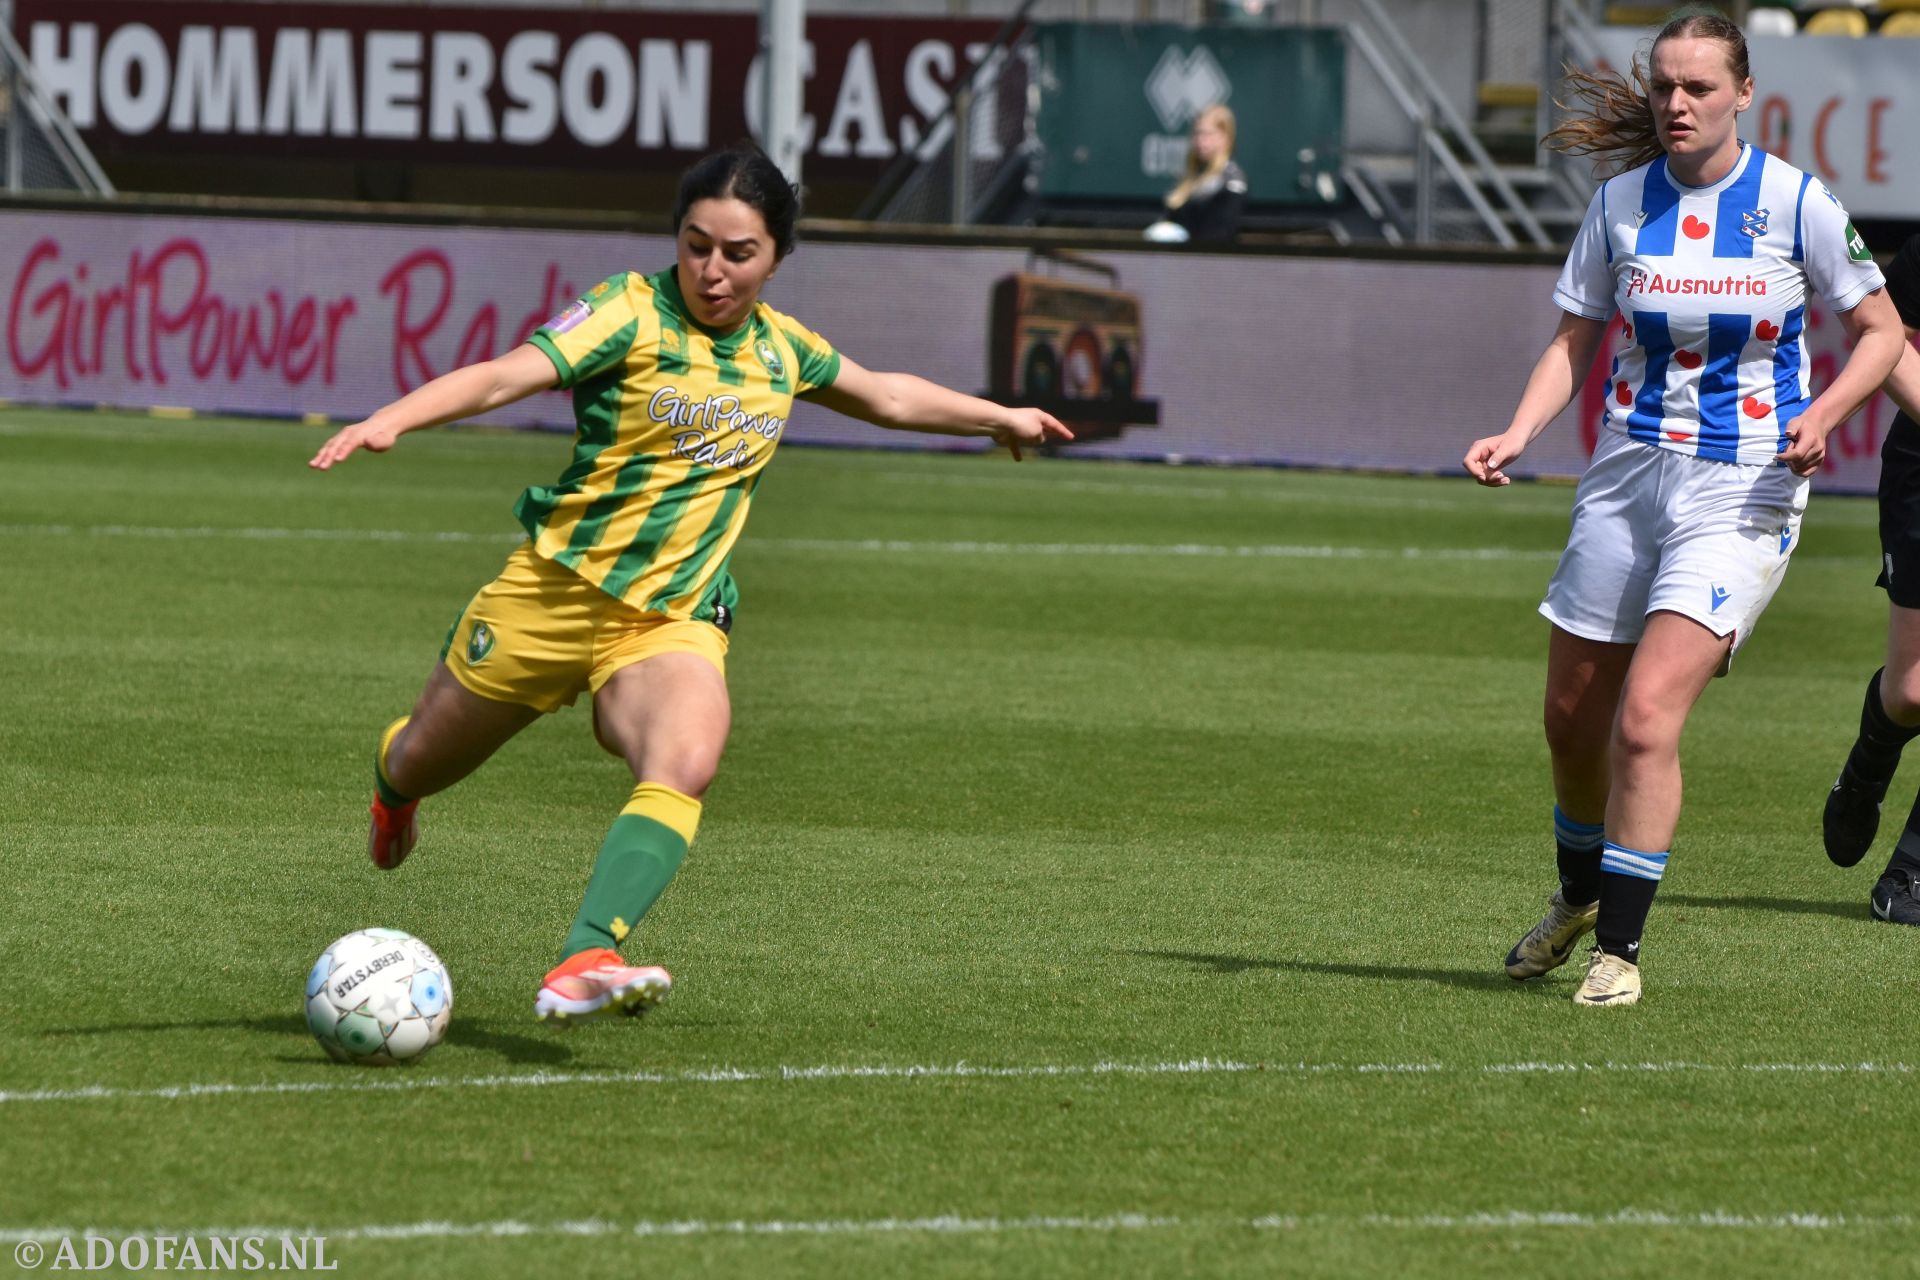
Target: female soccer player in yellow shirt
<point>682,384</point>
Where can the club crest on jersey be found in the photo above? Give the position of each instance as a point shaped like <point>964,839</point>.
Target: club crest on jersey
<point>770,358</point>
<point>479,644</point>
<point>1754,222</point>
<point>1639,216</point>
<point>669,337</point>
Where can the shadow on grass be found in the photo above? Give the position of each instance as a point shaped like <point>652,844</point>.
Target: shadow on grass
<point>1472,979</point>
<point>1788,906</point>
<point>543,1050</point>
<point>290,1024</point>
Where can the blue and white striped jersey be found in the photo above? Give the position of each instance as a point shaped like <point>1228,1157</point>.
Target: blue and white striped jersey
<point>1713,285</point>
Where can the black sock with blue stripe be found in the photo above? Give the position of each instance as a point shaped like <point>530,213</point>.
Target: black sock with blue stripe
<point>1578,847</point>
<point>1628,880</point>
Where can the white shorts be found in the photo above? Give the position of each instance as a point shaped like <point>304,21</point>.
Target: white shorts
<point>1658,530</point>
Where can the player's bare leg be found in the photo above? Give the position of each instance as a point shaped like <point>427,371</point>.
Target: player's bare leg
<point>668,718</point>
<point>1583,692</point>
<point>451,732</point>
<point>1584,679</point>
<point>1671,666</point>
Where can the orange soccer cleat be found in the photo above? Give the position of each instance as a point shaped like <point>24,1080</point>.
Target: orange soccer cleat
<point>597,982</point>
<point>393,834</point>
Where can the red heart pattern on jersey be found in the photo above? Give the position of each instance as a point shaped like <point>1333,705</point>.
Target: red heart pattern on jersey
<point>1622,393</point>
<point>1694,228</point>
<point>1766,331</point>
<point>1687,359</point>
<point>1756,408</point>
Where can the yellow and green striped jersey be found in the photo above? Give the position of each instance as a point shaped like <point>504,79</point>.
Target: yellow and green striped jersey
<point>675,424</point>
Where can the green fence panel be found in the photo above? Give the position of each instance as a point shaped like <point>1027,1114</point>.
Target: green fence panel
<point>1117,104</point>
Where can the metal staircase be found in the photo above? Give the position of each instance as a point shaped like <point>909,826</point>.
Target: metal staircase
<point>39,149</point>
<point>1449,189</point>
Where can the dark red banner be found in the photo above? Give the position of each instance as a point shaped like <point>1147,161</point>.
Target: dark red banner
<point>570,88</point>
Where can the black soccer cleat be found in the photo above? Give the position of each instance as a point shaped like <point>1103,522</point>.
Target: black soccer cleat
<point>1896,897</point>
<point>1851,820</point>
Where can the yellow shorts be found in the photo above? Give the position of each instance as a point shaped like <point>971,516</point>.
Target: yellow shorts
<point>540,635</point>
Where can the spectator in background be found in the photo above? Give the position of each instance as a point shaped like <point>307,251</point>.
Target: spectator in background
<point>1207,203</point>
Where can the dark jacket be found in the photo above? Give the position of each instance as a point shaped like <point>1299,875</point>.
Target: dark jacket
<point>1212,211</point>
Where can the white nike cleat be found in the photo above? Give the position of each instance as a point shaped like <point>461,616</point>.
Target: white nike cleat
<point>1548,944</point>
<point>1610,981</point>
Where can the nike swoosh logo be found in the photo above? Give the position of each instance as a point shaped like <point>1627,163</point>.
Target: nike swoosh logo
<point>1611,995</point>
<point>1885,912</point>
<point>1560,953</point>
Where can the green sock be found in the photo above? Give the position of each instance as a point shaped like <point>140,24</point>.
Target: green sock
<point>639,856</point>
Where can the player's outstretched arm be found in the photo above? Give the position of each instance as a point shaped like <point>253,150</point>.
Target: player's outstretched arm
<point>473,389</point>
<point>906,403</point>
<point>1874,327</point>
<point>1556,376</point>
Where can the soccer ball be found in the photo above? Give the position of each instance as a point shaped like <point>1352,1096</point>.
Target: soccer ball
<point>378,997</point>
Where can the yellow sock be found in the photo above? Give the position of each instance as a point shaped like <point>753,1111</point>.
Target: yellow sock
<point>382,783</point>
<point>669,808</point>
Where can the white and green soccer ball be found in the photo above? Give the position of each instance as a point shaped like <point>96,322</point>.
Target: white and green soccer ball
<point>378,997</point>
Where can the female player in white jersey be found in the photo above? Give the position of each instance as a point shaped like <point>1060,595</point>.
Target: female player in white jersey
<point>1682,525</point>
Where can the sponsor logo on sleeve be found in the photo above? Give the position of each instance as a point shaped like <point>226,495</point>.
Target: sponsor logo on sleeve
<point>569,318</point>
<point>1857,250</point>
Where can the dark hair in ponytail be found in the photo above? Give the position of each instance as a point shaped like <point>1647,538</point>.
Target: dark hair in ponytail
<point>1615,120</point>
<point>745,173</point>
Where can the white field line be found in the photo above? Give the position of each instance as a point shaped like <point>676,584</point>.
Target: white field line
<point>867,546</point>
<point>406,1082</point>
<point>955,1224</point>
<point>1323,496</point>
<point>1187,550</point>
<point>239,534</point>
<point>849,546</point>
<point>1511,501</point>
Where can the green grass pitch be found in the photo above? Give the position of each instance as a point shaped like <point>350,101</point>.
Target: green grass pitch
<point>1174,820</point>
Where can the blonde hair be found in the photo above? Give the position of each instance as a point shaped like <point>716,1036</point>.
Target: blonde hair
<point>1198,171</point>
<point>1615,120</point>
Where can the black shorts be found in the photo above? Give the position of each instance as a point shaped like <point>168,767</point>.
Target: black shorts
<point>1900,513</point>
